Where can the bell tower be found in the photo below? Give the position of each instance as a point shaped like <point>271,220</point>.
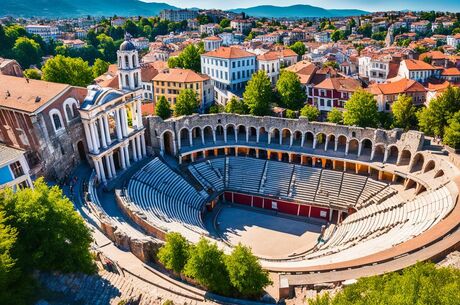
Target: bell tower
<point>129,69</point>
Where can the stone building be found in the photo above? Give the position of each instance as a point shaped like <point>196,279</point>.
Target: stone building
<point>42,119</point>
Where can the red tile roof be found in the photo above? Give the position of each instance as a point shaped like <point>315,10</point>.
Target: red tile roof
<point>229,53</point>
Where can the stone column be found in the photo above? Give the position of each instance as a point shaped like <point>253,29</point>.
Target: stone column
<point>126,149</point>
<point>139,114</point>
<point>124,121</point>
<point>247,136</point>
<point>236,134</point>
<point>291,140</point>
<point>346,148</point>
<point>269,137</point>
<point>112,163</point>
<point>360,146</point>
<point>139,151</point>
<point>118,124</point>
<point>89,141</point>
<point>144,150</point>
<point>336,144</point>
<point>121,153</point>
<point>96,167</point>
<point>102,171</point>
<point>107,130</point>
<point>102,130</point>
<point>109,166</point>
<point>314,142</point>
<point>213,136</point>
<point>326,143</point>
<point>385,155</point>
<point>225,135</point>
<point>94,137</point>
<point>372,153</point>
<point>302,141</point>
<point>202,137</point>
<point>257,135</point>
<point>190,137</point>
<point>281,137</point>
<point>133,143</point>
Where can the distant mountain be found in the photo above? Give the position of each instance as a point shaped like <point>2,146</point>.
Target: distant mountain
<point>72,8</point>
<point>300,11</point>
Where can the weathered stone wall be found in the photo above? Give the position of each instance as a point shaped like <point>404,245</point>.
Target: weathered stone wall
<point>412,140</point>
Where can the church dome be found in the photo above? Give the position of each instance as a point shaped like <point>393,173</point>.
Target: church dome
<point>127,46</point>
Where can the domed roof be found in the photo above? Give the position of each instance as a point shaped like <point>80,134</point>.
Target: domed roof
<point>127,46</point>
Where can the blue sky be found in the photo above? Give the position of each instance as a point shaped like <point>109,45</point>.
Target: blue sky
<point>370,5</point>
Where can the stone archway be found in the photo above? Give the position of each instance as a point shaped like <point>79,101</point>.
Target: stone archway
<point>405,157</point>
<point>168,143</point>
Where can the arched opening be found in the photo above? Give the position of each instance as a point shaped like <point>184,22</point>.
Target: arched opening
<point>275,136</point>
<point>331,142</point>
<point>392,154</point>
<point>286,136</point>
<point>417,163</point>
<point>81,151</point>
<point>320,140</point>
<point>379,153</point>
<point>184,137</point>
<point>241,133</point>
<point>219,133</point>
<point>405,157</point>
<point>353,147</point>
<point>341,143</point>
<point>208,137</point>
<point>297,138</point>
<point>134,60</point>
<point>126,80</point>
<point>68,112</point>
<point>285,157</point>
<point>168,143</point>
<point>366,148</point>
<point>74,110</point>
<point>231,133</point>
<point>263,135</point>
<point>308,142</point>
<point>57,122</point>
<point>439,173</point>
<point>429,166</point>
<point>252,134</point>
<point>196,136</point>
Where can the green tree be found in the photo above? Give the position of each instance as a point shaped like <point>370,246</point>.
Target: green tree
<point>66,70</point>
<point>27,52</point>
<point>433,119</point>
<point>291,114</point>
<point>338,35</point>
<point>245,272</point>
<point>404,112</point>
<point>419,284</point>
<point>361,110</point>
<point>299,48</point>
<point>207,265</point>
<point>163,108</point>
<point>452,131</point>
<point>332,64</point>
<point>335,116</point>
<point>258,94</point>
<point>3,41</point>
<point>236,105</point>
<point>224,23</point>
<point>9,274</point>
<point>290,90</point>
<point>33,74</point>
<point>175,252</point>
<point>32,212</point>
<point>216,108</point>
<point>100,67</point>
<point>310,112</point>
<point>189,58</point>
<point>187,103</point>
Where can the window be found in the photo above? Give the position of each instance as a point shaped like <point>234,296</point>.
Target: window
<point>56,119</point>
<point>17,170</point>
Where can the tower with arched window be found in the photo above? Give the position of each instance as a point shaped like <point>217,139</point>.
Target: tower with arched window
<point>129,69</point>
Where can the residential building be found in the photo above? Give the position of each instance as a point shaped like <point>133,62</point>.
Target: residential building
<point>212,43</point>
<point>387,93</point>
<point>418,70</point>
<point>14,170</point>
<point>74,43</point>
<point>453,40</point>
<point>209,29</point>
<point>170,82</point>
<point>178,15</point>
<point>141,43</point>
<point>271,62</point>
<point>333,92</point>
<point>229,68</point>
<point>241,25</point>
<point>46,32</point>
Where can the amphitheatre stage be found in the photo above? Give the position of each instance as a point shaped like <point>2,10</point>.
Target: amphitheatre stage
<point>317,202</point>
<point>269,235</point>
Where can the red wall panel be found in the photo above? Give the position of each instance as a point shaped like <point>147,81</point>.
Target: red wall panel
<point>304,210</point>
<point>242,199</point>
<point>228,196</point>
<point>258,202</point>
<point>316,212</point>
<point>287,207</point>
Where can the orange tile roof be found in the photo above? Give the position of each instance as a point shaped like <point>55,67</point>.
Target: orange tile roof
<point>413,64</point>
<point>229,53</point>
<point>180,76</point>
<point>28,96</point>
<point>403,85</point>
<point>339,84</point>
<point>304,69</point>
<point>451,72</point>
<point>213,38</point>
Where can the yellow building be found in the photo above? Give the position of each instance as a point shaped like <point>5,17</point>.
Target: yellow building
<point>170,82</point>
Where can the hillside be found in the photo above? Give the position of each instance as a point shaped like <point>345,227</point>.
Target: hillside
<point>300,11</point>
<point>71,8</point>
